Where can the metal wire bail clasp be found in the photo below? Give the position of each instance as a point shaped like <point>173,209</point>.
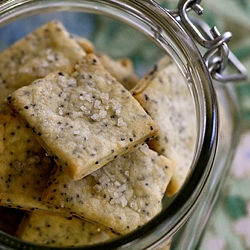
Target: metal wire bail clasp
<point>218,54</point>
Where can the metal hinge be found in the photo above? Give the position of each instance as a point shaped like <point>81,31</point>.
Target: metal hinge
<point>218,54</point>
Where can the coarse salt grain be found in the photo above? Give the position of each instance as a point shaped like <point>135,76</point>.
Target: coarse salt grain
<point>97,103</point>
<point>123,201</point>
<point>102,113</point>
<point>120,122</point>
<point>62,81</point>
<point>72,82</point>
<point>95,117</point>
<point>133,205</point>
<point>144,149</point>
<point>60,111</point>
<point>45,123</point>
<point>50,57</point>
<point>33,159</point>
<point>117,183</point>
<point>88,97</point>
<point>17,165</point>
<point>104,180</point>
<point>82,96</point>
<point>122,188</point>
<point>104,98</point>
<point>97,188</point>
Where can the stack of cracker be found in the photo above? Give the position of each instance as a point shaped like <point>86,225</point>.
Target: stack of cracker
<point>79,143</point>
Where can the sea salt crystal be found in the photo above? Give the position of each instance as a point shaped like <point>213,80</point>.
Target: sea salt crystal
<point>104,180</point>
<point>17,165</point>
<point>83,108</point>
<point>120,122</point>
<point>77,114</point>
<point>45,123</point>
<point>144,149</point>
<point>76,132</point>
<point>104,98</point>
<point>111,177</point>
<point>50,57</point>
<point>97,104</point>
<point>133,205</point>
<point>117,195</point>
<point>97,188</point>
<point>118,112</point>
<point>122,188</point>
<point>102,113</point>
<point>82,96</point>
<point>117,183</point>
<point>60,111</point>
<point>95,117</point>
<point>72,82</point>
<point>123,201</point>
<point>88,97</point>
<point>33,159</point>
<point>62,81</point>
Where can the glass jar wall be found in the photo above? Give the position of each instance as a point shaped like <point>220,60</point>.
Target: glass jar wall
<point>144,32</point>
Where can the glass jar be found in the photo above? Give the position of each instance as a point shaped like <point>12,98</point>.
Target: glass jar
<point>147,25</point>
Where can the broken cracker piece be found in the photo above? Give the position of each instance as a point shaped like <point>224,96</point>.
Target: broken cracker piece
<point>123,195</point>
<point>58,231</point>
<point>34,56</point>
<point>164,94</point>
<point>82,116</point>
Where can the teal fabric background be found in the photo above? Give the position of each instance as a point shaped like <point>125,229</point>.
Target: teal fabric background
<point>229,226</point>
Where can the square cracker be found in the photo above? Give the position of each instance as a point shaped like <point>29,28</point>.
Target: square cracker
<point>122,195</point>
<point>82,116</point>
<point>24,166</point>
<point>58,231</point>
<point>34,56</point>
<point>164,94</point>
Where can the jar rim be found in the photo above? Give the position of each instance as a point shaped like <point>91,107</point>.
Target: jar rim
<point>179,43</point>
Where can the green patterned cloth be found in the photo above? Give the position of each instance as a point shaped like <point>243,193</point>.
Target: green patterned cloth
<point>229,226</point>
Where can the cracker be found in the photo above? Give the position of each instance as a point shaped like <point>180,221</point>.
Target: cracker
<point>82,116</point>
<point>34,56</point>
<point>121,69</point>
<point>86,45</point>
<point>55,230</point>
<point>24,166</point>
<point>165,96</point>
<point>122,195</point>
